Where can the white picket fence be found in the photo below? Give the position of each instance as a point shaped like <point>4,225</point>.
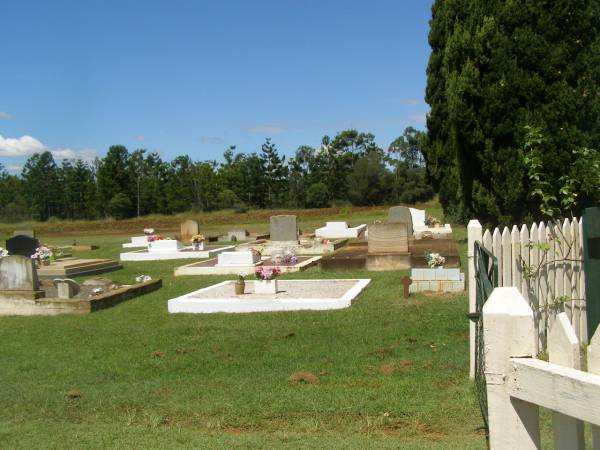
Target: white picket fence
<point>518,383</point>
<point>558,283</point>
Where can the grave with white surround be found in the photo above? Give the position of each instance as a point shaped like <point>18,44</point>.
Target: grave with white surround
<point>22,292</point>
<point>234,262</point>
<point>340,230</point>
<point>292,295</point>
<point>438,279</point>
<point>165,249</point>
<point>284,237</point>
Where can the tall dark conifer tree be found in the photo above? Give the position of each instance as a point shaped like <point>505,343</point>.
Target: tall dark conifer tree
<point>497,66</point>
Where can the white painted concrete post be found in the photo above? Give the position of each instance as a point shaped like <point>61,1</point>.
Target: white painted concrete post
<point>508,327</point>
<point>474,233</point>
<point>563,350</point>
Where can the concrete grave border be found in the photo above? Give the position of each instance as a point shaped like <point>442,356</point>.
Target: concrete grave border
<point>188,304</point>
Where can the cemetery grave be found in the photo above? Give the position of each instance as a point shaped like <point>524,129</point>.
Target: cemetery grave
<point>393,246</point>
<point>60,263</point>
<point>292,295</point>
<point>284,236</point>
<point>173,249</point>
<point>234,262</point>
<point>340,230</point>
<point>72,266</point>
<point>22,292</point>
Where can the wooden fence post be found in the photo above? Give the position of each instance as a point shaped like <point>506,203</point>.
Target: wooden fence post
<point>508,330</point>
<point>593,363</point>
<point>563,349</point>
<point>474,231</point>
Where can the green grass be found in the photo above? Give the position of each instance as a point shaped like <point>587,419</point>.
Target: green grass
<point>222,380</point>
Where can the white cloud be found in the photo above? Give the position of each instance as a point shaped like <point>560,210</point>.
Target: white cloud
<point>5,116</point>
<point>64,153</point>
<point>88,154</point>
<point>211,140</point>
<point>27,145</point>
<point>140,138</point>
<point>267,129</point>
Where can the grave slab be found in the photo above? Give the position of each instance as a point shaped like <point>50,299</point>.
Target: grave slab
<point>292,295</point>
<point>211,267</point>
<point>340,230</point>
<point>182,253</point>
<point>137,241</point>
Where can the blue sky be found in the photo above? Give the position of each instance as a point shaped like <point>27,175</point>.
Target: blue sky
<point>193,77</point>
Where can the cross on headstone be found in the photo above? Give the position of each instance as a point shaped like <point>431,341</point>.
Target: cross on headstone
<point>406,281</point>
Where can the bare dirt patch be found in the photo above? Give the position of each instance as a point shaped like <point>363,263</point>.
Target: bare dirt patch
<point>304,378</point>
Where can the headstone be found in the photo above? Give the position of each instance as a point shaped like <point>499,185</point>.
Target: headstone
<point>18,273</point>
<point>30,233</point>
<point>189,228</point>
<point>388,238</point>
<point>401,214</point>
<point>22,245</point>
<point>66,288</point>
<point>418,217</point>
<point>406,282</point>
<point>284,228</point>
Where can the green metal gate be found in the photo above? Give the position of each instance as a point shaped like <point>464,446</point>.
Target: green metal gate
<point>591,265</point>
<point>486,278</point>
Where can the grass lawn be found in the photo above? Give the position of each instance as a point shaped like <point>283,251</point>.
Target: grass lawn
<point>393,373</point>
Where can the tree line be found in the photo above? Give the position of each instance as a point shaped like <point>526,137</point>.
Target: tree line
<point>349,169</point>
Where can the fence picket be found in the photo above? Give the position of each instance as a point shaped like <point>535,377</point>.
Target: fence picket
<point>543,280</point>
<point>497,251</point>
<point>507,259</point>
<point>525,283</point>
<point>567,248</point>
<point>534,258</point>
<point>551,234</point>
<point>515,262</point>
<point>581,282</point>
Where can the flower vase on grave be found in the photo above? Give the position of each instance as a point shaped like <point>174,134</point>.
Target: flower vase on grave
<point>240,287</point>
<point>45,262</point>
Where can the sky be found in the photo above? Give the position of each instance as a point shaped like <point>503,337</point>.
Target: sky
<point>194,77</point>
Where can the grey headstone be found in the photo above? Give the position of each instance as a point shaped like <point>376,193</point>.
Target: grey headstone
<point>189,228</point>
<point>30,233</point>
<point>284,228</point>
<point>22,245</point>
<point>18,272</point>
<point>401,214</point>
